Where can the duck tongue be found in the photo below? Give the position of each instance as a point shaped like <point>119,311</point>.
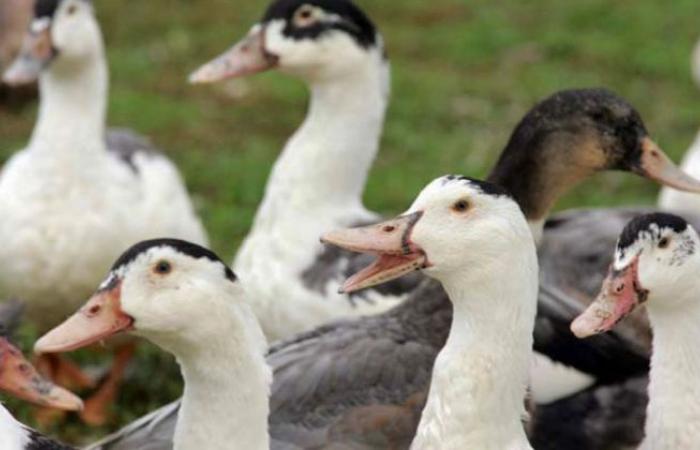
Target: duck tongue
<point>390,241</point>
<point>384,268</point>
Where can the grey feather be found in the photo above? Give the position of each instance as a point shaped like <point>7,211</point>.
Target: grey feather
<point>126,144</point>
<point>10,316</point>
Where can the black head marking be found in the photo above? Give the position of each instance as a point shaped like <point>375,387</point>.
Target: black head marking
<point>45,8</point>
<point>352,20</point>
<point>484,186</point>
<point>187,248</point>
<point>646,224</point>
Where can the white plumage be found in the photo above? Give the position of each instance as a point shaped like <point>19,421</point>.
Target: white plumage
<point>69,205</point>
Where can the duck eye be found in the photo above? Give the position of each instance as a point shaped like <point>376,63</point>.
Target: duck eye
<point>306,15</point>
<point>664,242</point>
<point>460,206</point>
<point>162,267</point>
<point>72,9</point>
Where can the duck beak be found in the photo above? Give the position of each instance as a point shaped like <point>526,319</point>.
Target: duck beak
<point>656,165</point>
<point>390,241</point>
<point>247,57</point>
<point>36,54</point>
<point>20,379</point>
<point>619,296</point>
<point>100,318</point>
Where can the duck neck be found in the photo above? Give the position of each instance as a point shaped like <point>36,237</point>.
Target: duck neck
<point>480,377</point>
<point>72,107</point>
<point>326,162</point>
<point>538,170</point>
<point>674,393</point>
<point>225,404</point>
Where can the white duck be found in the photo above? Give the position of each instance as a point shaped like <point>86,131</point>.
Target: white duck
<point>474,239</point>
<point>318,181</point>
<point>67,187</point>
<point>184,299</point>
<point>656,265</point>
<point>674,200</point>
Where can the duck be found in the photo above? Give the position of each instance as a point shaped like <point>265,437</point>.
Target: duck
<point>655,267</point>
<point>72,185</point>
<point>318,180</point>
<point>331,382</point>
<point>184,299</point>
<point>474,239</point>
<point>20,379</point>
<point>671,199</point>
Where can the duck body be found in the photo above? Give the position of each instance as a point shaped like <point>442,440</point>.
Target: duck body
<point>15,436</point>
<point>318,181</point>
<point>70,198</point>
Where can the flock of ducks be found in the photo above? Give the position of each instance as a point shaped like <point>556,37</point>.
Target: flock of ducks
<point>428,346</point>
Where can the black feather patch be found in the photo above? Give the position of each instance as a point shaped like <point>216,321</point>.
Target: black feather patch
<point>484,186</point>
<point>187,248</point>
<point>352,20</point>
<point>644,224</point>
<point>45,8</point>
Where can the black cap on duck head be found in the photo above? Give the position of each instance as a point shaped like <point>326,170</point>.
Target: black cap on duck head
<point>572,135</point>
<point>285,38</point>
<point>45,8</point>
<point>310,19</point>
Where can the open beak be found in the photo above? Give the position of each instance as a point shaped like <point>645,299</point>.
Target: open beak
<point>20,379</point>
<point>100,318</point>
<point>619,296</point>
<point>36,54</point>
<point>247,57</point>
<point>656,165</point>
<point>390,241</point>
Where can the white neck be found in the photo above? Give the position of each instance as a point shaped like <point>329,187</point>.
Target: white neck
<point>72,107</point>
<point>673,414</point>
<point>13,436</point>
<point>227,387</point>
<point>480,377</point>
<point>325,164</point>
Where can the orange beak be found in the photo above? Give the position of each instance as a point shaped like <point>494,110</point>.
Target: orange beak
<point>20,379</point>
<point>100,318</point>
<point>619,296</point>
<point>247,57</point>
<point>390,241</point>
<point>37,52</point>
<point>659,167</point>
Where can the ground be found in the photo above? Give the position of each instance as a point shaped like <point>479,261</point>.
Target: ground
<point>464,72</point>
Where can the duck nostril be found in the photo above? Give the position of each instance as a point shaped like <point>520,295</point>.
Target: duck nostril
<point>619,288</point>
<point>389,229</point>
<point>94,310</point>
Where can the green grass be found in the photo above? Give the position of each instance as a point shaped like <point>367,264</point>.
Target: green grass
<point>464,72</point>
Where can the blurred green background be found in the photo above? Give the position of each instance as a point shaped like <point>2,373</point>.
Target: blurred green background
<point>464,72</point>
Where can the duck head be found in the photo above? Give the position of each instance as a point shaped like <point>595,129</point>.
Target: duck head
<point>656,264</point>
<point>62,35</point>
<point>163,289</point>
<point>456,223</point>
<point>312,39</point>
<point>572,135</point>
<point>20,379</point>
